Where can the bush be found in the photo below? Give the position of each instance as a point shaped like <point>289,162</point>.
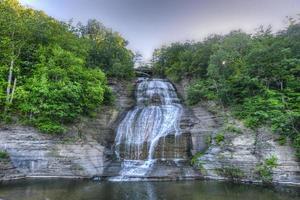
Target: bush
<point>195,158</point>
<point>50,127</point>
<point>233,129</point>
<point>109,96</point>
<point>264,170</point>
<point>198,163</point>
<point>199,91</point>
<point>233,173</point>
<point>219,138</point>
<point>3,155</point>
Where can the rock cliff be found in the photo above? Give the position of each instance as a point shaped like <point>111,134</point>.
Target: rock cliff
<point>224,148</point>
<point>84,151</point>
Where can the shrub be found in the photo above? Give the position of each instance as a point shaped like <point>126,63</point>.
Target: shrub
<point>198,163</point>
<point>219,138</point>
<point>199,91</point>
<point>233,173</point>
<point>208,140</point>
<point>233,129</point>
<point>3,155</point>
<point>50,127</point>
<point>195,158</point>
<point>264,169</point>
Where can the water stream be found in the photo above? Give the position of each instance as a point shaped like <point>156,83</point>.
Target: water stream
<point>156,115</point>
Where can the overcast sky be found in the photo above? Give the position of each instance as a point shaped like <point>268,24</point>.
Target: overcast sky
<point>148,24</point>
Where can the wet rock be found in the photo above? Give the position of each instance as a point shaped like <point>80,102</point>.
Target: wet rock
<point>8,171</point>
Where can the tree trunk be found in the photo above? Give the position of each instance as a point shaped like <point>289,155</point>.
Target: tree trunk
<point>13,91</point>
<point>9,80</point>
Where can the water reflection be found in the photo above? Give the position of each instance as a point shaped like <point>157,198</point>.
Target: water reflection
<point>88,190</point>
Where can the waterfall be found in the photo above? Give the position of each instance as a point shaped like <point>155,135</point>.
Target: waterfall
<point>149,142</point>
<point>156,115</point>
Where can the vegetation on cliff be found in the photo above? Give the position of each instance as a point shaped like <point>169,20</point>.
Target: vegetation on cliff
<point>257,76</point>
<point>52,72</point>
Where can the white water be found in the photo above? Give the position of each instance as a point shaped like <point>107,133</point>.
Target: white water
<point>156,115</point>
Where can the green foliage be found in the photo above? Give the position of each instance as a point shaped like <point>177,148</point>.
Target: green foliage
<point>232,173</point>
<point>47,126</point>
<point>219,138</point>
<point>282,140</point>
<point>201,90</point>
<point>208,140</point>
<point>3,155</point>
<point>256,76</point>
<point>184,60</point>
<point>198,163</point>
<point>107,51</point>
<point>57,70</point>
<point>232,129</point>
<point>109,96</point>
<point>264,170</point>
<point>195,158</point>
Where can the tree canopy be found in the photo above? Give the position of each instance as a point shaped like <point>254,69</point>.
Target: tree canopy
<point>52,72</point>
<point>257,76</point>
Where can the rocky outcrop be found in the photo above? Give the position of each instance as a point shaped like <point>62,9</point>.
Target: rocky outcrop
<point>36,154</point>
<point>86,150</point>
<point>224,148</point>
<point>244,152</point>
<point>102,126</point>
<point>8,171</point>
<point>197,121</point>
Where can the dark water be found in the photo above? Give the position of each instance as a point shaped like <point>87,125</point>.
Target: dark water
<point>89,190</point>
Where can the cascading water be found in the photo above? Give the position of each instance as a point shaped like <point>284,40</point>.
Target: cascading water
<point>156,116</point>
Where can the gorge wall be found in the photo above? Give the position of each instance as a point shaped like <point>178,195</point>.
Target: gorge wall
<point>223,147</point>
<point>87,149</point>
<point>84,151</point>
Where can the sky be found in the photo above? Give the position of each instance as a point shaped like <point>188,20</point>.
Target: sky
<point>148,24</point>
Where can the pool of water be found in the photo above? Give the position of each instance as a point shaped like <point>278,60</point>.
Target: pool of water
<point>189,190</point>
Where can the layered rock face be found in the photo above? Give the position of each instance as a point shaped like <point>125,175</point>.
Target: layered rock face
<point>35,154</point>
<point>8,171</point>
<point>85,151</point>
<point>241,150</point>
<point>167,148</point>
<point>245,152</point>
